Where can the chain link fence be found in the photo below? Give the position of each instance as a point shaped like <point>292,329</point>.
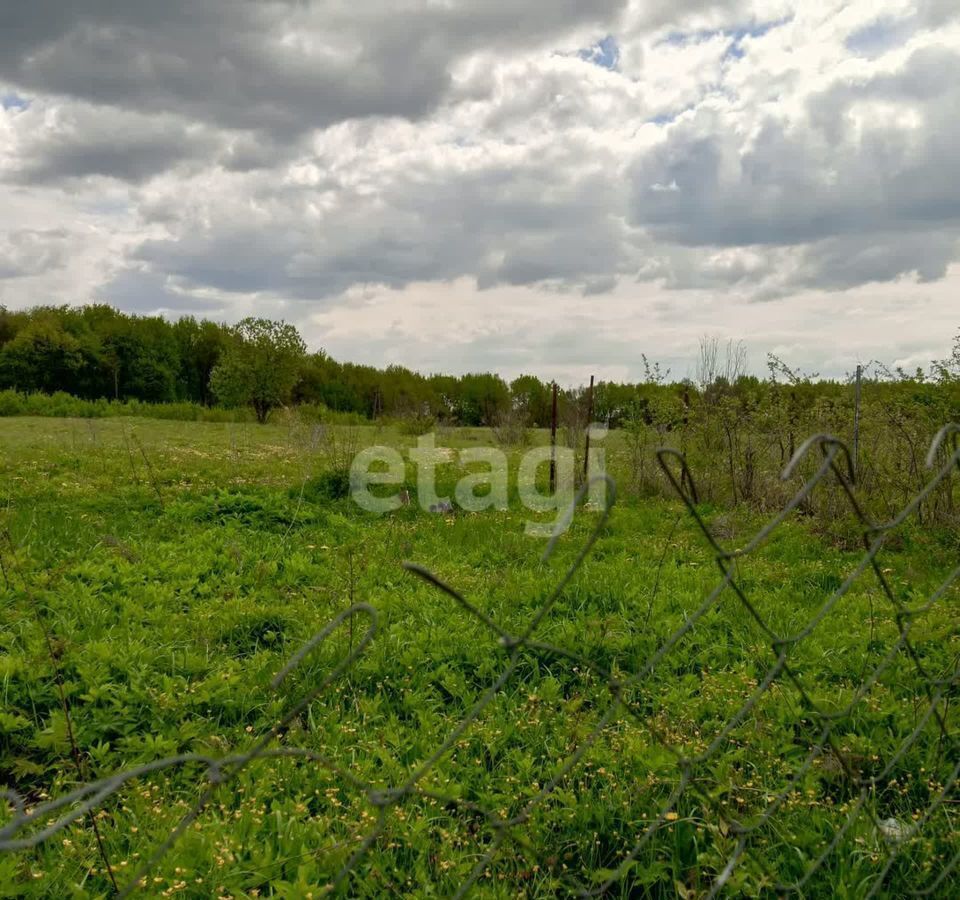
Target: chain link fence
<point>874,799</point>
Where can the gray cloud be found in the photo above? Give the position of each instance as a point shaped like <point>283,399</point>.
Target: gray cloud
<point>81,140</point>
<point>877,197</point>
<point>544,218</point>
<point>937,12</point>
<point>140,291</point>
<point>282,66</point>
<point>849,260</point>
<point>29,252</point>
<point>289,155</point>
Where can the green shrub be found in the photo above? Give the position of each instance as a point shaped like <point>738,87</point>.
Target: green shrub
<point>417,425</point>
<point>333,484</point>
<point>62,405</point>
<point>11,403</point>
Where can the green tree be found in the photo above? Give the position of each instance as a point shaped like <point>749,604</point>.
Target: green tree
<point>948,370</point>
<point>199,346</point>
<point>533,399</point>
<point>482,398</point>
<point>42,357</point>
<point>10,324</point>
<point>259,366</point>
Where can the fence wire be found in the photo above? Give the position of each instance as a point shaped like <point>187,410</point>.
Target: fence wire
<point>933,719</point>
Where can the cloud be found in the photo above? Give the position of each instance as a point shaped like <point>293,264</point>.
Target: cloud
<point>851,260</point>
<point>313,159</point>
<point>453,328</point>
<point>49,143</point>
<point>393,213</point>
<point>864,168</point>
<point>280,67</point>
<point>145,292</point>
<point>27,252</point>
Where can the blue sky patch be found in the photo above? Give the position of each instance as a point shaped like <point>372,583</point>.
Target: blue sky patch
<point>13,101</point>
<point>877,37</point>
<point>757,29</point>
<point>605,53</point>
<point>735,35</point>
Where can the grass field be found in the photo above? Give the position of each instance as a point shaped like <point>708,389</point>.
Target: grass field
<point>168,570</point>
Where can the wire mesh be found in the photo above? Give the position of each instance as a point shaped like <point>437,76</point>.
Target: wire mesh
<point>915,855</point>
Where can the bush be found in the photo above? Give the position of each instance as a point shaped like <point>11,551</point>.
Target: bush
<point>511,428</point>
<point>333,484</point>
<point>10,403</point>
<point>320,414</point>
<point>62,405</point>
<point>417,425</point>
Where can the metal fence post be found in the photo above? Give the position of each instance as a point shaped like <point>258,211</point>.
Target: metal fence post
<point>586,447</point>
<point>553,442</point>
<point>856,425</point>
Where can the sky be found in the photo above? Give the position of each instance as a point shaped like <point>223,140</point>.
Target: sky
<point>546,186</point>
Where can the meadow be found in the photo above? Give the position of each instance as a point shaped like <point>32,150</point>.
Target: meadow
<point>157,575</point>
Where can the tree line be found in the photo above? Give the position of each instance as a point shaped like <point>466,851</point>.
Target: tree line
<point>96,351</point>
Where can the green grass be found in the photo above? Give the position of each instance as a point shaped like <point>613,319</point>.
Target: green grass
<point>177,566</point>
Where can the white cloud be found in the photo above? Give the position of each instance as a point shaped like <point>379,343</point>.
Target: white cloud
<point>697,157</point>
<point>565,336</point>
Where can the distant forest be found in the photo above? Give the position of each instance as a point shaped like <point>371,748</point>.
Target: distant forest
<point>94,352</point>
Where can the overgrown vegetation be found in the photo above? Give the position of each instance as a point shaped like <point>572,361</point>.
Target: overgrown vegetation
<point>161,573</point>
<point>97,353</point>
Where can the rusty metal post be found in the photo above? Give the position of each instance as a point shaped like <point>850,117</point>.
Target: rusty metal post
<point>586,448</point>
<point>553,442</point>
<point>856,424</point>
